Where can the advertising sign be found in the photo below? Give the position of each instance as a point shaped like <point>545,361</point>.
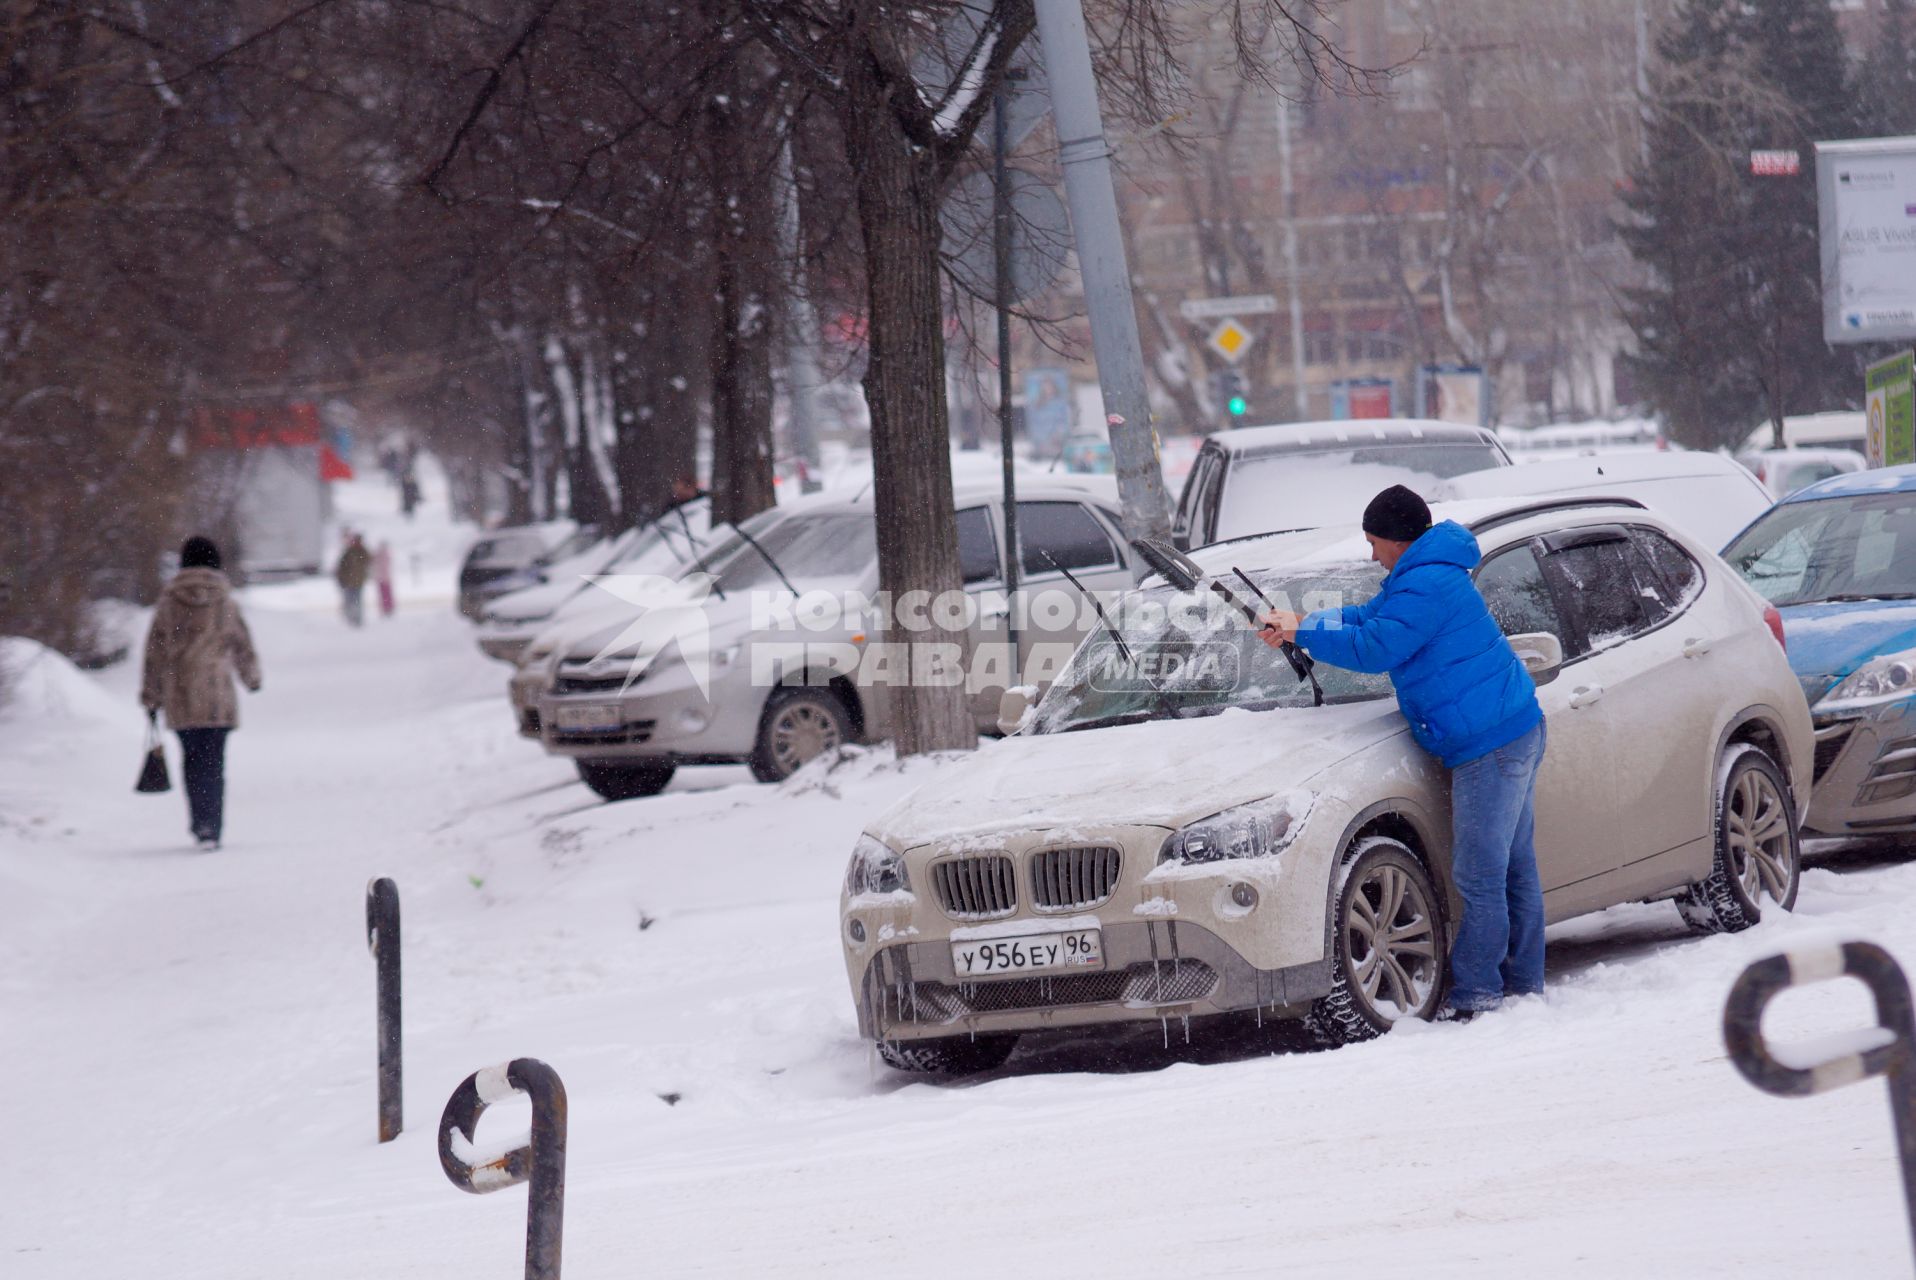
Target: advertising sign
<point>1362,398</point>
<point>1891,411</point>
<point>1866,215</point>
<point>1453,393</point>
<point>1047,405</point>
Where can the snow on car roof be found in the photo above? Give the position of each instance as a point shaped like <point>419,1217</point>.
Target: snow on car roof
<point>1556,475</point>
<point>1881,480</point>
<point>1342,543</point>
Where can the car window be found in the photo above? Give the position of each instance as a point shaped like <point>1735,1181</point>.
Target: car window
<point>1804,474</point>
<point>978,547</point>
<point>1065,531</point>
<point>1606,582</point>
<point>807,548</point>
<point>1187,501</point>
<point>1513,586</point>
<point>1305,489</point>
<point>1677,578</point>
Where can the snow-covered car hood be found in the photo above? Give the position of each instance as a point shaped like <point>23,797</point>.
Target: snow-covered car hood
<point>1160,773</point>
<point>1828,641</point>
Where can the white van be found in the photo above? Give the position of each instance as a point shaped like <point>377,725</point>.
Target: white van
<point>1837,429</point>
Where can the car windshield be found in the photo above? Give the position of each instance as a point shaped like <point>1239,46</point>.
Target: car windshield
<point>827,545</point>
<point>579,540</point>
<point>1855,547</point>
<point>1309,490</point>
<point>1189,655</point>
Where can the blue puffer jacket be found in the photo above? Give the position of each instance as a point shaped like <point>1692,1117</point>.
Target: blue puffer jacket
<point>1458,681</point>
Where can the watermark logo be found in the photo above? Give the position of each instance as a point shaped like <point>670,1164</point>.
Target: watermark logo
<point>1200,667</point>
<point>667,612</point>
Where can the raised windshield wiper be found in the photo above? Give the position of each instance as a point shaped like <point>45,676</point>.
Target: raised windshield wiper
<point>1303,663</point>
<point>753,543</point>
<point>1185,574</point>
<point>1124,650</point>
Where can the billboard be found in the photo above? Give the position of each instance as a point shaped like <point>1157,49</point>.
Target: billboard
<point>1866,216</point>
<point>1890,387</point>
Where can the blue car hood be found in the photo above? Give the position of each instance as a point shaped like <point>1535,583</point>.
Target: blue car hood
<point>1828,641</point>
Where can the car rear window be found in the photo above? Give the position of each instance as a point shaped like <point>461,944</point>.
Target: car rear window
<point>1306,490</point>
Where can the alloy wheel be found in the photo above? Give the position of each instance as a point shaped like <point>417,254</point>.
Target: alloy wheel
<point>1756,824</point>
<point>800,732</point>
<point>1392,942</point>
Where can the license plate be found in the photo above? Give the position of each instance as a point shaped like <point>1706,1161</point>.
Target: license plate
<point>1032,953</point>
<point>589,717</point>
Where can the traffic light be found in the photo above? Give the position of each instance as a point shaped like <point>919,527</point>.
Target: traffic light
<point>1229,386</point>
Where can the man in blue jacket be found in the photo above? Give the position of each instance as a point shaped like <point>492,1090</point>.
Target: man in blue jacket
<point>1471,704</point>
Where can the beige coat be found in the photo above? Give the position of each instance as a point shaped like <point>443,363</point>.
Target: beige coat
<point>197,645</point>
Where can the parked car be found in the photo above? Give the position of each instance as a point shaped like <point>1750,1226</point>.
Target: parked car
<point>1833,429</point>
<point>768,697</point>
<point>1839,560</point>
<point>498,555</point>
<point>665,547</point>
<point>1707,494</point>
<point>1305,474</point>
<point>1784,471</point>
<point>1136,853</point>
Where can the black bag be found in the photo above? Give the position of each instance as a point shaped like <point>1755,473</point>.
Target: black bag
<point>153,776</point>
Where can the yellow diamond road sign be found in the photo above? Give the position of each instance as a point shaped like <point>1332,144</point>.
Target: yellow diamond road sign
<point>1231,340</point>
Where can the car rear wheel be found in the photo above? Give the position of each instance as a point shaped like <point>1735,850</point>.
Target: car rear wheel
<point>1389,950</point>
<point>952,1056</point>
<point>624,781</point>
<point>799,725</point>
<point>1759,852</point>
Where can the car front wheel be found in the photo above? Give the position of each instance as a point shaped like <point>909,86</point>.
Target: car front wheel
<point>1388,945</point>
<point>624,781</point>
<point>952,1056</point>
<point>1759,852</point>
<point>799,725</point>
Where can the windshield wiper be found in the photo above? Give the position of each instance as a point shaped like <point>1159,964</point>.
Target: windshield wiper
<point>753,543</point>
<point>1862,597</point>
<point>1305,665</point>
<point>1124,650</point>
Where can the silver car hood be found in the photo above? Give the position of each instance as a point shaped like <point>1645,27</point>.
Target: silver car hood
<point>1161,773</point>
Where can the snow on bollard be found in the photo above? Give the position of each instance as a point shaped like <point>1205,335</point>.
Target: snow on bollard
<point>1888,1049</point>
<point>541,1158</point>
<point>382,939</point>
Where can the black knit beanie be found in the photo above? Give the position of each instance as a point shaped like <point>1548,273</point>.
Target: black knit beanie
<point>1397,515</point>
<point>199,553</point>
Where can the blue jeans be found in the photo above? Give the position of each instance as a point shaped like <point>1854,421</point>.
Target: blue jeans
<point>1499,944</point>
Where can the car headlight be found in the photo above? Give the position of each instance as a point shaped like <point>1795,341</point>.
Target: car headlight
<point>1261,829</point>
<point>1886,676</point>
<point>876,868</point>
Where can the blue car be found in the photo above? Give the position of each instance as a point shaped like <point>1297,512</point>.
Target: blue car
<point>1838,560</point>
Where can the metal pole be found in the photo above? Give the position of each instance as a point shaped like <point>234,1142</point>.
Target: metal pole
<point>801,336</point>
<point>541,1160</point>
<point>1001,254</point>
<point>382,939</point>
<point>1107,281</point>
<point>1300,393</point>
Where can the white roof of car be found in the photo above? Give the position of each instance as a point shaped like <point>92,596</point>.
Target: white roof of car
<point>1344,431</point>
<point>1063,487</point>
<point>1712,496</point>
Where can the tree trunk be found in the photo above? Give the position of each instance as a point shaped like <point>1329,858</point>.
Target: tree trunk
<point>658,428</point>
<point>741,385</point>
<point>898,199</point>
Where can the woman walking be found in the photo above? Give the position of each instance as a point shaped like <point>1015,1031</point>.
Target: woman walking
<point>197,645</point>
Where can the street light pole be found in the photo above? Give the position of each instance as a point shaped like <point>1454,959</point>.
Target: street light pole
<point>1001,255</point>
<point>1086,161</point>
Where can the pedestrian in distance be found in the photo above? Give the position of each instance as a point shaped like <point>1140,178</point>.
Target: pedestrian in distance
<point>197,645</point>
<point>1470,703</point>
<point>355,563</point>
<point>383,578</point>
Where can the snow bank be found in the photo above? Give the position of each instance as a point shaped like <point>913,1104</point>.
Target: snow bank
<point>44,690</point>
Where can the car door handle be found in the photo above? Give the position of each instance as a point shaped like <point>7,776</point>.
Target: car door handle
<point>994,610</point>
<point>1585,694</point>
<point>1695,647</point>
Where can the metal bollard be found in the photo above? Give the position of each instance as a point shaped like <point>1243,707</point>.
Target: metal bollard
<point>542,1159</point>
<point>382,939</point>
<point>1896,1060</point>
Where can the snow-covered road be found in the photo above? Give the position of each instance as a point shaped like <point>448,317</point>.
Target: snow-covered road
<point>188,1040</point>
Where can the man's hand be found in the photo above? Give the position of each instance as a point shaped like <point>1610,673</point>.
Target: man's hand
<point>1277,627</point>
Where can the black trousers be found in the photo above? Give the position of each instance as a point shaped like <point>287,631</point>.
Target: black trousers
<point>204,764</point>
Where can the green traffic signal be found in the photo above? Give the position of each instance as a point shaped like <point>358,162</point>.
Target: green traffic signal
<point>1238,406</point>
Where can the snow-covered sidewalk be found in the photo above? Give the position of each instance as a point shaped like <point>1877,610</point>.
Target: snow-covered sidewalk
<point>188,1039</point>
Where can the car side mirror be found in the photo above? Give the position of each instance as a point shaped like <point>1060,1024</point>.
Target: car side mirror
<point>1013,703</point>
<point>1541,654</point>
